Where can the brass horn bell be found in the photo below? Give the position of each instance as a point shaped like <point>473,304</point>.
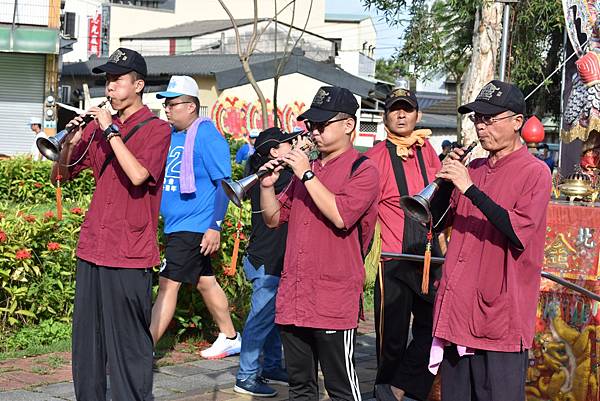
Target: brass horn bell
<point>237,190</point>
<point>418,206</point>
<point>50,147</point>
<point>431,204</point>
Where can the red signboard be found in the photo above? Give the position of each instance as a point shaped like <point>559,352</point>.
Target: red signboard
<point>563,363</point>
<point>572,242</point>
<point>94,35</point>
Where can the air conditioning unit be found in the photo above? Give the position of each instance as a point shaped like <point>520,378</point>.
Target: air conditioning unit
<point>68,21</point>
<point>65,94</point>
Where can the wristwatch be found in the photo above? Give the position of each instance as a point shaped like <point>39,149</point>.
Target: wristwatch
<point>308,175</point>
<point>111,131</point>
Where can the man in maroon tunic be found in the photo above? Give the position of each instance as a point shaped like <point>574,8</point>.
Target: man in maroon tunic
<point>330,207</point>
<point>486,302</point>
<point>407,163</point>
<point>117,242</point>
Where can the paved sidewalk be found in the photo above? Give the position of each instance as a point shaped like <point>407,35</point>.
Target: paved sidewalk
<point>198,380</point>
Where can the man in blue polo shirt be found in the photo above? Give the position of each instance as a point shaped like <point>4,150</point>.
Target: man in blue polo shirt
<point>193,207</point>
<point>247,149</point>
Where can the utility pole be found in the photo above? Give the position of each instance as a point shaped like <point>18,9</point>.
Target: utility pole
<point>504,45</point>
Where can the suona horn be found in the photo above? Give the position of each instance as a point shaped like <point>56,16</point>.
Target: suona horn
<point>51,147</point>
<point>431,204</point>
<point>237,190</point>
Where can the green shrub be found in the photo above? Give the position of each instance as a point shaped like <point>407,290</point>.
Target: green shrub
<point>27,182</point>
<point>36,265</point>
<point>37,253</point>
<point>46,333</point>
<point>37,256</point>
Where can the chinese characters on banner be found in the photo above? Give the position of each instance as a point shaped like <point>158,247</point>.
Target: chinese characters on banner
<point>564,360</point>
<point>572,240</point>
<point>94,35</point>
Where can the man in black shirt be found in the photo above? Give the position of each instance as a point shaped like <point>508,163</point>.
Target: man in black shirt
<point>446,148</point>
<point>263,264</point>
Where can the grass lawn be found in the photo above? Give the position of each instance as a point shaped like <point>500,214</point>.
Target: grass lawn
<point>33,350</point>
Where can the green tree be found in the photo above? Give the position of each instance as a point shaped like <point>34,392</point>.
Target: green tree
<point>389,69</point>
<point>439,39</point>
<point>536,51</point>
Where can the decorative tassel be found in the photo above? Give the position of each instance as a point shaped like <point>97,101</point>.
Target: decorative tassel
<point>231,270</point>
<point>59,208</point>
<point>427,263</point>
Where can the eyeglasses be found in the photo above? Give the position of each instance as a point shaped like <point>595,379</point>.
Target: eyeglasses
<point>486,119</point>
<point>320,126</point>
<point>171,105</point>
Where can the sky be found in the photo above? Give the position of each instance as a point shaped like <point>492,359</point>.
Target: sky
<point>387,37</point>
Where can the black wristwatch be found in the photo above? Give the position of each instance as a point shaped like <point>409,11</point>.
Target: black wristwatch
<point>110,131</point>
<point>308,175</point>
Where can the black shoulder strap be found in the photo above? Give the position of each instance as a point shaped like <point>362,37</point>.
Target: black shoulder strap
<point>422,166</point>
<point>355,165</point>
<point>398,168</point>
<point>111,156</point>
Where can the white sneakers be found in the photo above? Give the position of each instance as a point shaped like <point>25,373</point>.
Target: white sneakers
<point>223,347</point>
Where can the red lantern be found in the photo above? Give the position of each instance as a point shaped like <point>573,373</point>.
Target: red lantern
<point>533,130</point>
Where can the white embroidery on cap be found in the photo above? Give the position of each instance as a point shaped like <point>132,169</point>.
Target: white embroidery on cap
<point>321,97</point>
<point>488,91</point>
<point>117,56</point>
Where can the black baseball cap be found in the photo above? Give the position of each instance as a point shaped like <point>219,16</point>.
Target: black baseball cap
<point>271,138</point>
<point>123,61</point>
<point>329,101</point>
<point>496,97</point>
<point>401,95</point>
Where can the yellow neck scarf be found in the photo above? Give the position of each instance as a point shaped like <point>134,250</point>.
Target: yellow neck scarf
<point>405,143</point>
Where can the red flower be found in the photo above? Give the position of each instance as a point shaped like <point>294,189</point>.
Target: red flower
<point>29,218</point>
<point>23,254</point>
<point>49,214</point>
<point>77,210</point>
<point>2,215</point>
<point>37,185</point>
<point>2,236</point>
<point>242,236</point>
<point>20,213</point>
<point>228,223</point>
<point>53,246</point>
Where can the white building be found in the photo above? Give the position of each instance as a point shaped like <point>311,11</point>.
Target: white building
<point>121,19</point>
<point>122,24</point>
<point>219,37</point>
<point>355,37</point>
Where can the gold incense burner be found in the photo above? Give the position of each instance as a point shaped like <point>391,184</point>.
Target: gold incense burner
<point>578,186</point>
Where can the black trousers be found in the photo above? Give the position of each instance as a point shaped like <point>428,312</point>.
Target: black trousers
<point>401,366</point>
<point>485,376</point>
<point>305,349</point>
<point>111,325</point>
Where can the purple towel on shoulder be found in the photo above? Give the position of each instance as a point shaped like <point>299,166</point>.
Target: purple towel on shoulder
<point>187,179</point>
